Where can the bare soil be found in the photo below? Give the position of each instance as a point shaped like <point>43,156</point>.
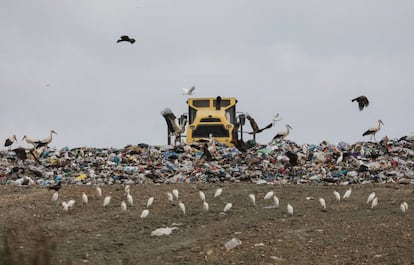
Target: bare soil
<point>349,232</point>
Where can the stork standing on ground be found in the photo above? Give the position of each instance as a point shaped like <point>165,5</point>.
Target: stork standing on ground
<point>174,127</point>
<point>9,141</point>
<point>363,102</point>
<point>373,131</point>
<point>255,127</point>
<point>282,134</point>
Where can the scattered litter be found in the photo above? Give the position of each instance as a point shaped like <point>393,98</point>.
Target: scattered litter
<point>164,231</point>
<point>234,242</point>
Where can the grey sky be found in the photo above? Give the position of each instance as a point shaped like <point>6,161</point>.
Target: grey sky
<point>62,69</point>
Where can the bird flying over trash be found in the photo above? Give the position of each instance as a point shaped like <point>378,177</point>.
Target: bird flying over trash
<point>363,102</point>
<point>126,39</point>
<point>254,125</point>
<point>188,91</point>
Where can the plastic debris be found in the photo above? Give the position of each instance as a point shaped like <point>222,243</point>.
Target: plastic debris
<point>234,242</point>
<point>164,231</point>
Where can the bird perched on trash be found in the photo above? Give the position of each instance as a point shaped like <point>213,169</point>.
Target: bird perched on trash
<point>373,131</point>
<point>174,127</point>
<point>188,91</point>
<point>56,187</point>
<point>363,102</point>
<point>126,39</point>
<point>282,134</point>
<point>206,153</point>
<point>9,141</point>
<point>40,143</point>
<point>255,127</point>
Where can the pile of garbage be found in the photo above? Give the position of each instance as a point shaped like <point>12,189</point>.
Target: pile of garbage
<point>281,162</point>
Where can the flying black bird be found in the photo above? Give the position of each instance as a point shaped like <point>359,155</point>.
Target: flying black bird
<point>126,38</point>
<point>255,127</point>
<point>56,187</point>
<point>363,102</point>
<point>20,153</point>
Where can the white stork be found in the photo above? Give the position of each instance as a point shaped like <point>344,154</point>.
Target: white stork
<point>363,102</point>
<point>174,127</point>
<point>9,141</point>
<point>373,131</point>
<point>282,134</point>
<point>40,143</point>
<point>276,118</point>
<point>188,91</point>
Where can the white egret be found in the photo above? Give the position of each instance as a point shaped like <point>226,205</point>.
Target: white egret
<point>218,192</point>
<point>182,207</point>
<point>55,196</point>
<point>98,191</point>
<point>188,91</point>
<point>170,197</point>
<point>130,200</point>
<point>106,201</point>
<point>268,195</point>
<point>84,198</point>
<point>202,195</point>
<point>71,203</point>
<point>276,201</point>
<point>65,206</point>
<point>322,203</point>
<point>337,196</point>
<point>289,209</point>
<point>252,197</point>
<point>175,193</point>
<point>144,213</point>
<point>205,205</point>
<point>123,206</point>
<point>347,194</point>
<point>150,201</point>
<point>374,203</point>
<point>371,197</point>
<point>227,207</point>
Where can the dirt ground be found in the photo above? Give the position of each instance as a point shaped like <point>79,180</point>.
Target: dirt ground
<point>349,232</point>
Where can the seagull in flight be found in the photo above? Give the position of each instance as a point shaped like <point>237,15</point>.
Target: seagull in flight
<point>188,91</point>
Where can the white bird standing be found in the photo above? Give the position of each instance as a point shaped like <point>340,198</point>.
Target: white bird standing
<point>374,203</point>
<point>98,191</point>
<point>227,207</point>
<point>175,193</point>
<point>55,196</point>
<point>268,195</point>
<point>170,197</point>
<point>84,198</point>
<point>182,207</point>
<point>65,206</point>
<point>404,207</point>
<point>347,194</point>
<point>322,203</point>
<point>282,134</point>
<point>205,205</point>
<point>252,197</point>
<point>340,158</point>
<point>188,91</point>
<point>144,213</point>
<point>71,203</point>
<point>106,201</point>
<point>218,192</point>
<point>276,201</point>
<point>150,201</point>
<point>373,131</point>
<point>202,195</point>
<point>289,209</point>
<point>123,206</point>
<point>337,196</point>
<point>130,200</point>
<point>44,142</point>
<point>371,197</point>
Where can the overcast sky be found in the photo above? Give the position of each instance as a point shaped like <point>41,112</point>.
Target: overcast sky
<point>61,68</point>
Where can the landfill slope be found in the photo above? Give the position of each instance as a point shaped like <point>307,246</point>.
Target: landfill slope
<point>349,232</point>
<point>352,231</point>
